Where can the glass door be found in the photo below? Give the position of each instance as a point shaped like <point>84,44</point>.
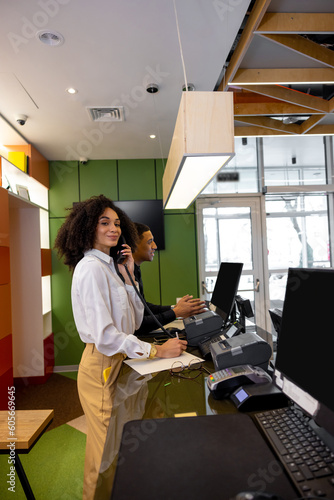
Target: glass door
<point>231,230</point>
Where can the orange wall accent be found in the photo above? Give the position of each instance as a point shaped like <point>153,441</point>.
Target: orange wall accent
<point>5,354</point>
<point>49,355</point>
<point>24,147</point>
<point>38,166</point>
<point>46,261</point>
<point>4,266</point>
<point>4,219</point>
<point>5,311</point>
<point>6,380</point>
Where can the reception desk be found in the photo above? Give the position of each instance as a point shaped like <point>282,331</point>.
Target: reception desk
<point>169,437</point>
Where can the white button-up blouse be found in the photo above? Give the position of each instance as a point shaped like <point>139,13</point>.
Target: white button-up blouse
<point>106,311</point>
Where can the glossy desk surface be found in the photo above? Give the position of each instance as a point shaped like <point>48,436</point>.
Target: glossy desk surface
<point>156,396</point>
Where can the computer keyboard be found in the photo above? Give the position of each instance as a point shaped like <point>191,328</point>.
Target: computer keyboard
<point>304,455</point>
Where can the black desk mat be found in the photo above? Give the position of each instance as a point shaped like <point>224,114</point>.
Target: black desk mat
<point>194,458</point>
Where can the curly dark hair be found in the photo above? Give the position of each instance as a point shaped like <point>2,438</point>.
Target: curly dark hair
<point>77,234</point>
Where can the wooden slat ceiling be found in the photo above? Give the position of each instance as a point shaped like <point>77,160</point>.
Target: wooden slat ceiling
<point>291,92</point>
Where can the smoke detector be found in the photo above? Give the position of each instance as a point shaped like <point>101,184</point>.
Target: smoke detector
<point>106,113</point>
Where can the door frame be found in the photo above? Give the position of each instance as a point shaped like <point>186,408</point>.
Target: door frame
<point>256,203</point>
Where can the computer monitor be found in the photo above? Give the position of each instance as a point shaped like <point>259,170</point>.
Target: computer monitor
<point>304,367</point>
<point>245,309</point>
<point>225,289</point>
<point>276,318</point>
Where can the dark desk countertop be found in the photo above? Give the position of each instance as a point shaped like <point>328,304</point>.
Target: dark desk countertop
<point>148,399</point>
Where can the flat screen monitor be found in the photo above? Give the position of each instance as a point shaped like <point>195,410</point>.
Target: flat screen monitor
<point>226,287</point>
<point>276,318</point>
<point>304,367</point>
<point>149,212</point>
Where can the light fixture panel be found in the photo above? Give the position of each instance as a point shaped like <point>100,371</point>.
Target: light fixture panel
<point>194,175</point>
<point>202,142</point>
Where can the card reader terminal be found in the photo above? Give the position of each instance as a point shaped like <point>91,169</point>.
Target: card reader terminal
<point>224,382</point>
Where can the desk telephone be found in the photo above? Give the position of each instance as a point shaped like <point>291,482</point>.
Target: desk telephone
<point>223,382</point>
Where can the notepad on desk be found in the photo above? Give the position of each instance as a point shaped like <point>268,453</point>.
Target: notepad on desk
<point>146,366</point>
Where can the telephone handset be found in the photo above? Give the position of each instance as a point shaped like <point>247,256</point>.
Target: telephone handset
<point>119,260</point>
<point>119,257</point>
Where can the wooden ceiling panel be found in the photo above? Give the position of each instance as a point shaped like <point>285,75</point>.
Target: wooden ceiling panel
<point>265,97</point>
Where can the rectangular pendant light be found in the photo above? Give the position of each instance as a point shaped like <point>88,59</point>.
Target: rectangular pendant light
<point>203,141</point>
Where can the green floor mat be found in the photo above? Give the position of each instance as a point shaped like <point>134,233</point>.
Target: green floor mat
<point>73,375</point>
<point>54,467</point>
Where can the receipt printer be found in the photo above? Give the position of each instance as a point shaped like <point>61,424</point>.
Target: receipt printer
<point>201,326</point>
<point>245,349</point>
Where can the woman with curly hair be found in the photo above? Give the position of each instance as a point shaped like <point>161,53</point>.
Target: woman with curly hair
<point>107,311</point>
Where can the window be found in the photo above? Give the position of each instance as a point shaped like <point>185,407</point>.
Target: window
<point>245,164</point>
<point>297,236</point>
<point>297,161</point>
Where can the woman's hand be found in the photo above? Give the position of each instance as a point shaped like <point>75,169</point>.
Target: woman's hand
<point>171,348</point>
<point>129,262</point>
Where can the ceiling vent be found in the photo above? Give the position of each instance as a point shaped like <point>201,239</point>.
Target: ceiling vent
<point>106,114</point>
<point>52,38</point>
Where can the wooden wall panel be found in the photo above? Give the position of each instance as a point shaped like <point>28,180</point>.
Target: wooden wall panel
<point>4,266</point>
<point>6,380</point>
<point>49,355</point>
<point>4,218</point>
<point>39,167</point>
<point>5,359</point>
<point>5,311</point>
<point>6,370</point>
<point>46,259</point>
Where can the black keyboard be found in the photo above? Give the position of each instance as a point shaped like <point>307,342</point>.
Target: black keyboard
<point>304,455</point>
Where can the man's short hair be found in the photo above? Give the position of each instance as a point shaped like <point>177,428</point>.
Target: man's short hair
<point>141,228</point>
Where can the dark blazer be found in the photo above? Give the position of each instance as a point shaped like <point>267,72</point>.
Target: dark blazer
<point>164,314</point>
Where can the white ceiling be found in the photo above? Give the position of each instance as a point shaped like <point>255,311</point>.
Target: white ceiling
<point>112,50</point>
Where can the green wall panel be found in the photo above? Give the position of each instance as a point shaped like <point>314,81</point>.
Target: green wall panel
<point>173,272</point>
<point>178,262</point>
<point>64,188</point>
<point>136,180</point>
<point>68,346</point>
<point>98,177</point>
<point>151,280</point>
<point>159,167</point>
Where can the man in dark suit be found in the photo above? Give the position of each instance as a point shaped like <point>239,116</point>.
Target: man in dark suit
<point>186,306</point>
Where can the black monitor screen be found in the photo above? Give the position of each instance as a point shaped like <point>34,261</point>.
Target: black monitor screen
<point>226,287</point>
<point>149,212</point>
<point>304,357</point>
<point>276,318</point>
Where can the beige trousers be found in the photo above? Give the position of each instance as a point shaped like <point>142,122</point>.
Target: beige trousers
<point>96,398</point>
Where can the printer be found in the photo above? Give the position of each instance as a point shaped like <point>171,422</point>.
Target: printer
<point>245,349</point>
<point>202,326</point>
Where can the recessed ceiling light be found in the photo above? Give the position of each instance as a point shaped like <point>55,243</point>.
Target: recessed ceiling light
<point>71,90</point>
<point>152,136</point>
<point>51,38</point>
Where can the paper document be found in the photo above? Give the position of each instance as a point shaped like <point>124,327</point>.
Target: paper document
<point>146,366</point>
